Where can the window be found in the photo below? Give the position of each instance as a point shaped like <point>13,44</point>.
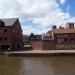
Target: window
<point>5,30</point>
<point>60,40</point>
<point>14,30</point>
<point>65,39</point>
<point>46,37</point>
<point>72,39</point>
<point>5,38</point>
<point>1,38</point>
<point>1,30</point>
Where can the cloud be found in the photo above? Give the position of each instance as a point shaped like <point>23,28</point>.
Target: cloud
<point>62,1</point>
<point>42,13</point>
<point>29,29</point>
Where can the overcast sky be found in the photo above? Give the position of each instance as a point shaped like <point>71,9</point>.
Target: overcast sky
<point>38,16</point>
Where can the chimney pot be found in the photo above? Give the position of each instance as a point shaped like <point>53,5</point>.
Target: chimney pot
<point>54,27</point>
<point>70,25</point>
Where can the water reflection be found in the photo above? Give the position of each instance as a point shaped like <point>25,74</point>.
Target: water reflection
<point>37,65</point>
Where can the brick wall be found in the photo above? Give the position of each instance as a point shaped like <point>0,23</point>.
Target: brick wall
<point>48,45</point>
<point>17,36</point>
<point>36,45</point>
<point>65,46</point>
<point>42,45</point>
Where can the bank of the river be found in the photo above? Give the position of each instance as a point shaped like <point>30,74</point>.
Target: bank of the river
<point>41,53</point>
<point>2,53</point>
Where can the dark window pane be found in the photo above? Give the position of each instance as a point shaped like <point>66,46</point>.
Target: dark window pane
<point>1,38</point>
<point>5,38</point>
<point>65,39</point>
<point>72,39</point>
<point>5,30</point>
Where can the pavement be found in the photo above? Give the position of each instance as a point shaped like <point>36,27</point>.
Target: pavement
<point>44,51</point>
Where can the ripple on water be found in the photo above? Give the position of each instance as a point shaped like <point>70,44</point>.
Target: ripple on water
<point>37,65</point>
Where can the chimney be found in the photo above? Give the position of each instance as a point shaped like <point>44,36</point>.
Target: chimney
<point>54,27</point>
<point>60,27</point>
<point>70,25</point>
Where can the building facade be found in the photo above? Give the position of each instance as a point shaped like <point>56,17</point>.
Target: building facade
<point>10,33</point>
<point>64,38</point>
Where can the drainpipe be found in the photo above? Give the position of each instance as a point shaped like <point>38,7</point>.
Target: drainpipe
<point>14,37</point>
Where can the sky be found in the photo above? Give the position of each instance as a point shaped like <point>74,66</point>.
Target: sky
<point>38,16</point>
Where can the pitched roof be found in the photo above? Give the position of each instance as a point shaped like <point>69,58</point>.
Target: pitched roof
<point>61,31</point>
<point>9,21</point>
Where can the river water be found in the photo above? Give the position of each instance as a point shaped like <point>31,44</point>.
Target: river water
<point>64,65</point>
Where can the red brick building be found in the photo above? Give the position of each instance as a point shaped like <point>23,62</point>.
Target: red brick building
<point>64,38</point>
<point>10,33</point>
